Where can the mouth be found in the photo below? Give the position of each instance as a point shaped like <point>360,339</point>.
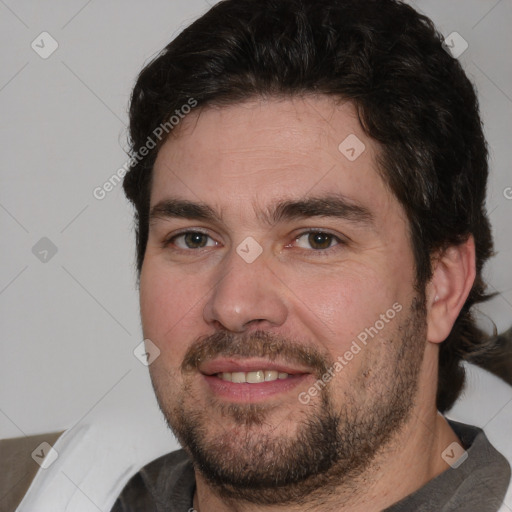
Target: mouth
<point>253,377</point>
<point>248,381</point>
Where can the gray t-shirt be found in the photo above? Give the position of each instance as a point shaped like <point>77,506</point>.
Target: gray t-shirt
<point>479,484</point>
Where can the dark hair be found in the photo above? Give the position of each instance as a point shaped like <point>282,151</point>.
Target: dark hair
<point>411,96</point>
<point>498,358</point>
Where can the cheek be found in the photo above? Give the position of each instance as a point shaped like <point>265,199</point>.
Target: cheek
<point>169,306</point>
<point>340,305</point>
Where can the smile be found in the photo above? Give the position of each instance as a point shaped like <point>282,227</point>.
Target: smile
<point>253,377</point>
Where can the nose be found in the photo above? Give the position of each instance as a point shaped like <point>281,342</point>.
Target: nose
<point>246,295</point>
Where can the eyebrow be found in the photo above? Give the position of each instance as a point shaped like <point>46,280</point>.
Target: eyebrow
<point>331,205</point>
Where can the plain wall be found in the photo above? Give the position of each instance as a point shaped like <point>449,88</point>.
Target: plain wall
<point>70,324</point>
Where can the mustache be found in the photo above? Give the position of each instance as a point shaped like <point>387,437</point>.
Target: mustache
<point>254,344</point>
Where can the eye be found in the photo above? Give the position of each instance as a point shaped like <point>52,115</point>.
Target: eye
<point>318,240</point>
<point>191,240</point>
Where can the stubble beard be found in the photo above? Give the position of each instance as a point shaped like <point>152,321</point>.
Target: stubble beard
<point>238,452</point>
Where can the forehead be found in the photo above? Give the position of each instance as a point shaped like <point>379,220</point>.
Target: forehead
<point>259,150</point>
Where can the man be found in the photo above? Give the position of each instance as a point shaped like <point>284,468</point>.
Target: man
<point>309,181</point>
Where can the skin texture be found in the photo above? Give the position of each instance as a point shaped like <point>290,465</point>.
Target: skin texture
<point>301,303</point>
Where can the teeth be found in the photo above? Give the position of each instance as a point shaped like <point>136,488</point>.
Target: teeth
<point>255,377</point>
<point>252,377</point>
<point>270,375</point>
<point>238,377</point>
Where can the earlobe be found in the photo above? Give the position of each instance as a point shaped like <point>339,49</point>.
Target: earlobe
<point>452,278</point>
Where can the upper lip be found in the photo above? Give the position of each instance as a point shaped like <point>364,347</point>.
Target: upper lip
<point>222,365</point>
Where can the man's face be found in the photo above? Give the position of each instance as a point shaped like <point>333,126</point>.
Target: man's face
<point>302,267</point>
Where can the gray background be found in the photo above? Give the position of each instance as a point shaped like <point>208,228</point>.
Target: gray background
<point>70,323</point>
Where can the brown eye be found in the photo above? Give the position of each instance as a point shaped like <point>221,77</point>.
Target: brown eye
<point>195,240</point>
<point>192,240</point>
<point>318,240</point>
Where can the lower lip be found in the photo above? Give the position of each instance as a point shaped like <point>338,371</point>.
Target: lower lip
<point>245,392</point>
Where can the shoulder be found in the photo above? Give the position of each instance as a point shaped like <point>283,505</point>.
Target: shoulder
<point>166,481</point>
<point>484,455</point>
<point>487,472</point>
<point>477,480</point>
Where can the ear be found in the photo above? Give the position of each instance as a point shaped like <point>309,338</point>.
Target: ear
<point>453,276</point>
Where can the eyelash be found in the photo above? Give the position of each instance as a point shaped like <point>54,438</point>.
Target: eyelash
<point>320,252</point>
